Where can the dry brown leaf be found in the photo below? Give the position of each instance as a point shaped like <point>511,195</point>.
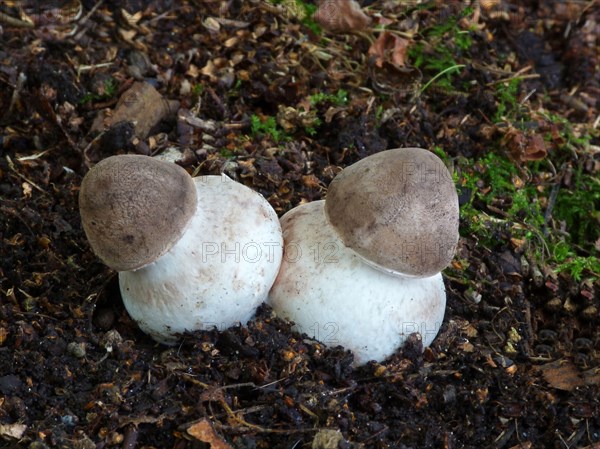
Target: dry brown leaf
<point>562,375</point>
<point>311,181</point>
<point>341,16</point>
<point>524,147</point>
<point>15,431</point>
<point>143,105</point>
<point>536,148</point>
<point>391,48</point>
<point>204,432</point>
<point>212,394</point>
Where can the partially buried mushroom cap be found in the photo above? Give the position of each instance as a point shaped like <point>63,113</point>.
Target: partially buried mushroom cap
<point>135,208</point>
<point>398,210</point>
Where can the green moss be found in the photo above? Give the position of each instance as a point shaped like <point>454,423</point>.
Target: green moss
<point>340,98</point>
<point>266,126</point>
<point>110,89</point>
<point>507,98</point>
<point>303,10</point>
<point>503,206</point>
<point>436,54</point>
<point>579,208</point>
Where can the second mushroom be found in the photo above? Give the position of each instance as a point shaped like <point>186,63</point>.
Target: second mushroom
<point>362,268</point>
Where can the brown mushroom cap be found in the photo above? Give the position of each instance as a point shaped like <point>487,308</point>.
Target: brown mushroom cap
<point>398,210</point>
<point>135,208</point>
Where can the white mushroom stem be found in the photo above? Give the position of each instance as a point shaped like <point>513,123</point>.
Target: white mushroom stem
<point>217,274</point>
<point>334,297</point>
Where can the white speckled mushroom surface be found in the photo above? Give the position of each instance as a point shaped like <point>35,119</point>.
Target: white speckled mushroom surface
<point>218,273</point>
<point>334,297</point>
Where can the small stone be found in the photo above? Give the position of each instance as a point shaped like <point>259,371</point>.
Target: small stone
<point>111,339</point>
<point>554,305</point>
<point>570,306</point>
<point>76,349</point>
<point>589,312</point>
<point>327,439</point>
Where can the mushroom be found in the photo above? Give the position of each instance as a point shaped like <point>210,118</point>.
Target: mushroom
<point>362,268</point>
<point>192,253</point>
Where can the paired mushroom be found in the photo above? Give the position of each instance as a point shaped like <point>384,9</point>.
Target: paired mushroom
<point>192,253</point>
<point>362,268</point>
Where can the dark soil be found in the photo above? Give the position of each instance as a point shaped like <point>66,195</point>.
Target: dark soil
<point>517,360</point>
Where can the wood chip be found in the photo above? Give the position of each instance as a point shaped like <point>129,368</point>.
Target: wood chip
<point>562,375</point>
<point>203,431</point>
<point>12,430</point>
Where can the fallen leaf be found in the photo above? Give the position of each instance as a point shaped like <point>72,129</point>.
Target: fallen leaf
<point>142,105</point>
<point>562,375</point>
<point>536,148</point>
<point>12,430</point>
<point>341,16</point>
<point>204,432</point>
<point>212,394</point>
<point>311,181</point>
<point>391,48</point>
<point>524,147</point>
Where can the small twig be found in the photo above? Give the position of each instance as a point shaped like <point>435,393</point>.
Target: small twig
<point>11,165</point>
<point>14,22</point>
<point>503,309</point>
<point>376,434</point>
<point>87,68</point>
<point>396,32</point>
<point>516,76</point>
<point>89,14</point>
<point>562,439</point>
<point>19,86</point>
<point>271,383</point>
<point>11,211</point>
<point>217,99</point>
<point>232,415</point>
<point>528,329</point>
<point>268,430</point>
<point>253,409</point>
<point>526,97</point>
<point>165,15</point>
<point>551,203</point>
<point>130,439</point>
<point>81,22</point>
<point>190,378</point>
